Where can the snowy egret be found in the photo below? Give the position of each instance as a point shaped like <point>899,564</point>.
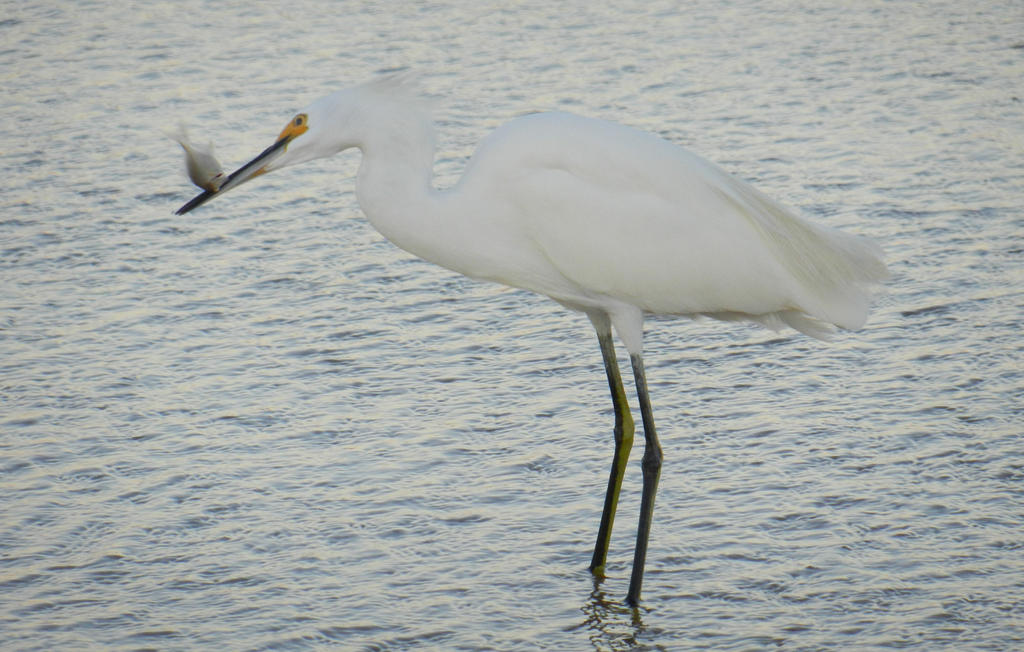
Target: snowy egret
<point>604,219</point>
<point>202,166</point>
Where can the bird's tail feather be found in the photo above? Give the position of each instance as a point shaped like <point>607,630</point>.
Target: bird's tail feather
<point>833,271</point>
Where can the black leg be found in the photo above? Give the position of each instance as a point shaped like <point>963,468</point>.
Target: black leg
<point>623,444</point>
<point>651,465</point>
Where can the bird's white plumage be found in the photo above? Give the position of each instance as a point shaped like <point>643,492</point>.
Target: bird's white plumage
<point>627,215</point>
<point>596,215</point>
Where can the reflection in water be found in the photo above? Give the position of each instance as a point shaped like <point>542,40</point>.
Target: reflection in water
<point>612,624</point>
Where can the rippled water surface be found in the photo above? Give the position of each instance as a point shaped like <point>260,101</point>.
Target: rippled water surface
<point>262,426</point>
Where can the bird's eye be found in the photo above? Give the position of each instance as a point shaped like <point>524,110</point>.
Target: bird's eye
<point>296,127</point>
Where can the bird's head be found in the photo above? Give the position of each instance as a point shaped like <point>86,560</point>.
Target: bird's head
<point>343,119</point>
<point>311,134</point>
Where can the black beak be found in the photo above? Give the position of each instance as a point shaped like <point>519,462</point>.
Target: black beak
<point>250,170</point>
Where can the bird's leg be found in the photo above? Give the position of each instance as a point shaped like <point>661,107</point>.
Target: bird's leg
<point>623,444</point>
<point>651,465</point>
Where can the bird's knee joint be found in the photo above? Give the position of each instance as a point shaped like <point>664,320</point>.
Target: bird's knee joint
<point>651,462</point>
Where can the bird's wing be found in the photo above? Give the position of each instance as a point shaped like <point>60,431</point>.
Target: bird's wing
<point>625,214</point>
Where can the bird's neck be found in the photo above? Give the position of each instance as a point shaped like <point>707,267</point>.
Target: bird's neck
<point>394,187</point>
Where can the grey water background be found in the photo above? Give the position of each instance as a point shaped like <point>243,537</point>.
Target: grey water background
<point>261,426</point>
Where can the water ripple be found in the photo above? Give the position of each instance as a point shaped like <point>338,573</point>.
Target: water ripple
<point>264,427</point>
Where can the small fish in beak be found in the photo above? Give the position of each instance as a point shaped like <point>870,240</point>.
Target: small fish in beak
<point>251,170</point>
<point>202,166</point>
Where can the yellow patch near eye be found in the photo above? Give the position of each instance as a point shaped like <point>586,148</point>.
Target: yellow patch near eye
<point>298,126</point>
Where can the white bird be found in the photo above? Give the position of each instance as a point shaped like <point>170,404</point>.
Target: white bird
<point>202,166</point>
<point>604,219</point>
